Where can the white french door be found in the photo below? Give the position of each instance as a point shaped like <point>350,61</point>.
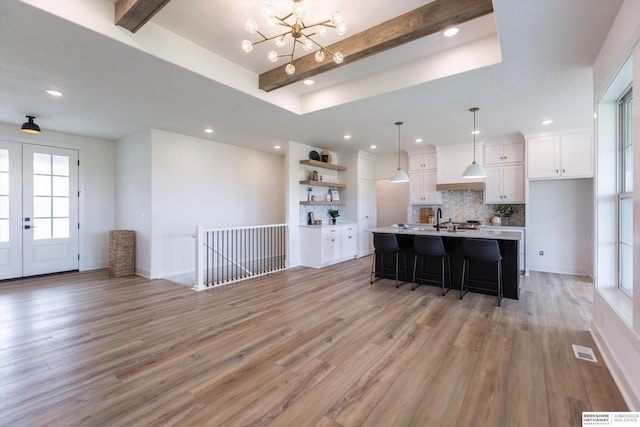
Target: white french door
<point>38,210</point>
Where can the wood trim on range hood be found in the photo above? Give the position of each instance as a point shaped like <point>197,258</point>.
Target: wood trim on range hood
<point>461,186</point>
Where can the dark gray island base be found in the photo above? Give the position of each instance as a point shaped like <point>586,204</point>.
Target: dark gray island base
<point>482,277</point>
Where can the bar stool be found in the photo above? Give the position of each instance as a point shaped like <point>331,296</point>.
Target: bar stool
<point>480,250</point>
<point>430,247</point>
<point>386,244</point>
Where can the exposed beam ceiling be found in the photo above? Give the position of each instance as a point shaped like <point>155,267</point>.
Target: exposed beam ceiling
<point>133,14</point>
<point>426,20</point>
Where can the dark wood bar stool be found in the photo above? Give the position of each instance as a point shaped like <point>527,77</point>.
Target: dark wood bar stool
<point>431,247</point>
<point>480,250</point>
<point>386,244</point>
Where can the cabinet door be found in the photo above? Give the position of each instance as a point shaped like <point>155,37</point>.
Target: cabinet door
<point>366,216</point>
<point>513,184</point>
<point>542,157</point>
<point>415,162</point>
<point>349,241</point>
<point>429,181</point>
<point>493,185</point>
<point>577,156</point>
<point>331,245</point>
<point>416,191</point>
<point>422,161</point>
<point>493,155</point>
<point>513,153</point>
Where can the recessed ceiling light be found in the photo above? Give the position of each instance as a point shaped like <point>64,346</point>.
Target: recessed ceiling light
<point>546,122</point>
<point>54,92</point>
<point>347,136</point>
<point>373,147</point>
<point>309,82</point>
<point>450,32</point>
<point>418,140</point>
<point>277,147</point>
<point>208,130</point>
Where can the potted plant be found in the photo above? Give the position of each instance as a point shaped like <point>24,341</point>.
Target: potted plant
<point>334,213</point>
<point>505,212</point>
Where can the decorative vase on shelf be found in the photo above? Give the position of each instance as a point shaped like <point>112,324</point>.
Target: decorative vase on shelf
<point>333,221</point>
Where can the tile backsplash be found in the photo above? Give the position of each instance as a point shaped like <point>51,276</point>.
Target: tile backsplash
<point>467,205</point>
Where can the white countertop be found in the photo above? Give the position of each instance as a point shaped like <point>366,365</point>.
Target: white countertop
<point>428,230</point>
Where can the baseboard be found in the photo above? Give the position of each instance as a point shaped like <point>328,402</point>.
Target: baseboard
<point>629,394</point>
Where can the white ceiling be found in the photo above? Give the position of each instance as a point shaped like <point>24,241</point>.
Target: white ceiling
<point>116,83</point>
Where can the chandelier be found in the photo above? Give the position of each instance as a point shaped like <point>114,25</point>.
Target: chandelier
<point>300,33</point>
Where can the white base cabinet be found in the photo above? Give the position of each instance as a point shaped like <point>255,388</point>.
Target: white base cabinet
<point>328,244</point>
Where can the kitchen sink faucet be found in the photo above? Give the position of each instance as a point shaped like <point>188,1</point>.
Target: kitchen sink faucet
<point>438,216</point>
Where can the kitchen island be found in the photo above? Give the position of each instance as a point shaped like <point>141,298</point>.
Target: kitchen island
<point>482,277</point>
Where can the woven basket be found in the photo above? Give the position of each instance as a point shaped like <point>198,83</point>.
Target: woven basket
<point>122,253</point>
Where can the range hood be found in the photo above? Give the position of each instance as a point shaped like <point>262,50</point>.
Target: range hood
<point>461,186</point>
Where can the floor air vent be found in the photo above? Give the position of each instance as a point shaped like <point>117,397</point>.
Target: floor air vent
<point>584,353</point>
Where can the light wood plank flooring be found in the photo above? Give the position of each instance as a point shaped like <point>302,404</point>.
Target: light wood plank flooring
<point>301,347</point>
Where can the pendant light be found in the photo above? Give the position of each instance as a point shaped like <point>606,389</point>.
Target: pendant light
<point>474,170</point>
<point>30,126</point>
<point>399,175</point>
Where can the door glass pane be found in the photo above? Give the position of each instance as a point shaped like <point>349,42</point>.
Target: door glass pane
<point>51,203</point>
<point>60,186</point>
<point>60,165</point>
<point>41,163</point>
<point>4,160</point>
<point>60,228</point>
<point>4,183</point>
<point>4,207</point>
<point>41,185</point>
<point>42,207</point>
<point>4,230</point>
<point>42,228</point>
<point>61,207</point>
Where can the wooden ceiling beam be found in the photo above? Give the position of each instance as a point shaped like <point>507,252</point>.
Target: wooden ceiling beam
<point>423,21</point>
<point>133,14</point>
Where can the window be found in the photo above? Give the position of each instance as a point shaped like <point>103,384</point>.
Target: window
<point>625,193</point>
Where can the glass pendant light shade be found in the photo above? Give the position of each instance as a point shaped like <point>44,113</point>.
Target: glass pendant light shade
<point>399,175</point>
<point>474,170</point>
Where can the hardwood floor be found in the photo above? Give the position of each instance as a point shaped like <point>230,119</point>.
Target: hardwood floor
<point>301,347</point>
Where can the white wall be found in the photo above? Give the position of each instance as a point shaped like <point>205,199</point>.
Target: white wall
<point>133,210</point>
<point>392,199</point>
<point>96,187</point>
<point>200,182</point>
<point>616,319</point>
<point>560,223</point>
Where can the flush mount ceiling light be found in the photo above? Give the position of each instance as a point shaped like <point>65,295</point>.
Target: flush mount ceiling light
<point>30,126</point>
<point>474,170</point>
<point>299,32</point>
<point>399,175</point>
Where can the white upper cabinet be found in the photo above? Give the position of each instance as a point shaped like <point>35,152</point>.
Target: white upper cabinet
<point>560,156</point>
<point>422,188</point>
<point>504,184</point>
<point>423,161</point>
<point>505,153</point>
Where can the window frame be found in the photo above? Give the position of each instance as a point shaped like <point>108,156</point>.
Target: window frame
<point>625,192</point>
